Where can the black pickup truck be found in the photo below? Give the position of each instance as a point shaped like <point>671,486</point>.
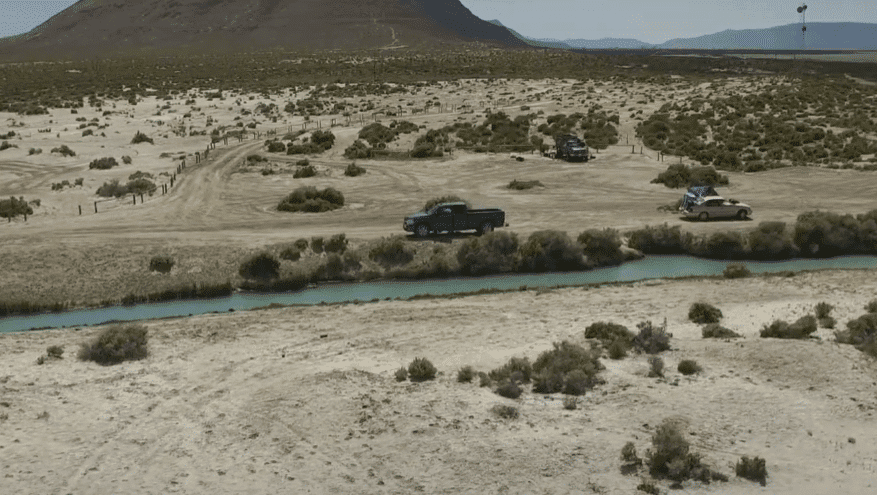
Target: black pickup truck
<point>453,217</point>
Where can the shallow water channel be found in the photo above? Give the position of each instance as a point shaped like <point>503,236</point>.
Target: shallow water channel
<point>650,267</point>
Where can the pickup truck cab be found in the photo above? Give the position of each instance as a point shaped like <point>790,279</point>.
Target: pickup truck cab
<point>453,217</point>
<point>717,207</point>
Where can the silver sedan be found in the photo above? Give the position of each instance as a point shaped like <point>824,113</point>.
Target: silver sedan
<point>718,207</point>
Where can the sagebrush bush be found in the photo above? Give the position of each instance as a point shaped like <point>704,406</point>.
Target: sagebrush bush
<point>607,332</point>
<point>771,241</point>
<point>391,251</point>
<point>552,368</point>
<point>310,200</point>
<point>822,309</point>
<point>736,270</point>
<point>336,244</point>
<point>662,239</point>
<point>290,253</point>
<point>549,251</point>
<point>55,352</point>
<point>505,411</point>
<point>515,365</point>
<point>651,339</point>
<point>862,333</point>
<point>523,185</point>
<point>466,374</point>
<point>509,389</point>
<point>679,175</point>
<point>354,170</point>
<point>618,349</point>
<point>161,264</point>
<point>628,454</point>
<point>304,172</point>
<point>494,252</point>
<point>602,247</point>
<point>701,312</point>
<point>12,207</point>
<point>317,244</point>
<point>656,367</point>
<point>139,137</point>
<point>871,307</point>
<point>401,374</point>
<point>301,244</point>
<point>716,331</point>
<point>116,344</point>
<point>262,267</point>
<point>571,403</point>
<point>827,322</point>
<point>105,163</point>
<point>689,367</point>
<point>753,469</point>
<point>670,457</point>
<point>800,329</point>
<point>421,369</point>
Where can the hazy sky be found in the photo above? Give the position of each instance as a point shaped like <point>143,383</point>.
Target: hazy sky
<point>651,21</point>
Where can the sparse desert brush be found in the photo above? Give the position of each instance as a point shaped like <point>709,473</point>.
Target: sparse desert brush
<point>466,374</point>
<point>354,170</point>
<point>862,333</point>
<point>523,185</point>
<point>670,457</point>
<point>116,344</point>
<point>701,312</point>
<point>494,252</point>
<point>358,150</point>
<point>822,310</point>
<point>126,160</point>
<point>515,365</point>
<point>391,251</point>
<point>570,403</point>
<point>317,244</point>
<point>64,150</point>
<point>336,244</point>
<point>607,332</point>
<point>304,172</point>
<point>716,331</point>
<point>800,329</point>
<point>421,369</point>
<point>651,339</point>
<point>311,200</point>
<point>618,349</point>
<point>261,267</point>
<point>661,239</point>
<point>483,379</point>
<point>505,411</point>
<point>771,241</point>
<point>55,352</point>
<point>827,322</point>
<point>871,307</point>
<point>753,469</point>
<point>656,367</point>
<point>736,270</point>
<point>552,369</point>
<point>139,137</point>
<point>161,264</point>
<point>401,374</point>
<point>628,454</point>
<point>689,367</point>
<point>112,189</point>
<point>509,389</point>
<point>301,244</point>
<point>648,487</point>
<point>290,253</point>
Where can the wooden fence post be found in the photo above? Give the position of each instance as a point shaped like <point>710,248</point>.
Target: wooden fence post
<point>134,196</point>
<point>141,198</point>
<point>80,210</point>
<point>95,206</point>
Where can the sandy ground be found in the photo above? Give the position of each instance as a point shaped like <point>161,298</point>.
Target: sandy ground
<point>303,400</point>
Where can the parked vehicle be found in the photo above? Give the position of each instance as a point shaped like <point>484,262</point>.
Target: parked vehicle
<point>694,194</point>
<point>709,207</point>
<point>570,148</point>
<point>454,217</point>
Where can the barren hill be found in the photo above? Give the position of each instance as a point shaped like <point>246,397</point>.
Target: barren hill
<point>96,28</point>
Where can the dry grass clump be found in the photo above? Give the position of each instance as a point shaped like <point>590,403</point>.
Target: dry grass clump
<point>701,312</point>
<point>116,344</point>
<point>800,329</point>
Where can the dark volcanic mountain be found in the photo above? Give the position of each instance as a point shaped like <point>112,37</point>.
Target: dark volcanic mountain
<point>98,28</point>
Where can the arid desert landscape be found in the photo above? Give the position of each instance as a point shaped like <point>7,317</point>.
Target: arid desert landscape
<point>310,400</point>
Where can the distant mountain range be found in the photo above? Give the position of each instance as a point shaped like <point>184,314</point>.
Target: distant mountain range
<point>820,36</point>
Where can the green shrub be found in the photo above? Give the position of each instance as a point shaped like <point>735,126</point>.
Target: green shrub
<point>656,367</point>
<point>571,403</point>
<point>140,186</point>
<point>505,411</point>
<point>550,250</point>
<point>358,150</point>
<point>720,245</point>
<point>509,389</point>
<point>139,137</point>
<point>126,160</point>
<point>648,487</point>
<point>55,352</point>
<point>771,241</point>
<point>716,331</point>
<point>317,244</point>
<point>304,172</point>
<point>602,247</point>
<point>301,244</point>
<point>112,189</point>
<point>607,332</point>
<point>336,244</point>
<point>861,332</point>
<point>161,264</point>
<point>466,374</point>
<point>64,150</point>
<point>736,270</point>
<point>276,147</point>
<point>391,251</point>
<point>701,312</point>
<point>822,310</point>
<point>651,339</point>
<point>353,170</point>
<point>871,307</point>
<point>310,200</point>
<point>103,163</point>
<point>290,253</point>
<point>753,469</point>
<point>670,457</point>
<point>801,329</point>
<point>323,139</point>
<point>483,379</point>
<point>618,349</point>
<point>421,369</point>
<point>518,185</point>
<point>679,175</point>
<point>827,322</point>
<point>10,208</point>
<point>662,239</point>
<point>519,367</point>
<point>401,374</point>
<point>628,454</point>
<point>262,267</point>
<point>825,234</point>
<point>116,344</point>
<point>495,252</point>
<point>551,369</point>
<point>689,367</point>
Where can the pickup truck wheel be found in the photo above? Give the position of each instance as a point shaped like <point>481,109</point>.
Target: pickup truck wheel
<point>422,230</point>
<point>703,217</point>
<point>486,228</point>
<point>742,214</point>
